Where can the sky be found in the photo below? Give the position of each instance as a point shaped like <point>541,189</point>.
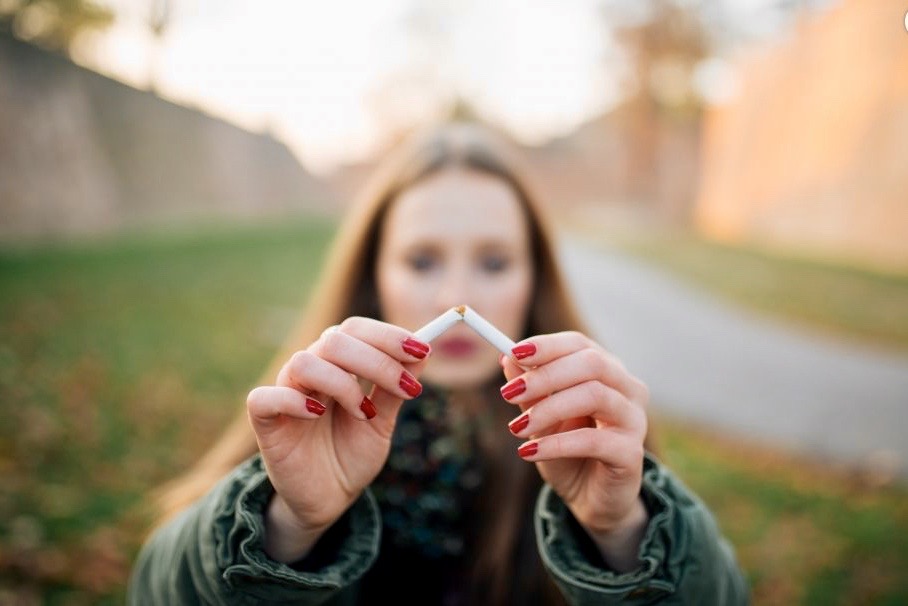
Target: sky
<point>333,79</point>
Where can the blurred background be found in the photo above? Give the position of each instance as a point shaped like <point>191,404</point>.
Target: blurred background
<point>731,191</point>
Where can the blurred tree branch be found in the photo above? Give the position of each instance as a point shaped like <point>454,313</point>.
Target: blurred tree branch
<point>159,19</point>
<point>52,24</point>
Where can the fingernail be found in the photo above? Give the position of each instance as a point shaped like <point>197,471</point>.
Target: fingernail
<point>368,408</point>
<point>409,384</point>
<point>528,449</point>
<point>519,424</point>
<point>415,348</point>
<point>513,389</point>
<point>315,407</point>
<point>524,350</point>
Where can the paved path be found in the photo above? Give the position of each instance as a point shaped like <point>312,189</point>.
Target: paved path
<point>708,361</point>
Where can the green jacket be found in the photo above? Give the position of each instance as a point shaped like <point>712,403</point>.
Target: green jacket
<point>212,553</point>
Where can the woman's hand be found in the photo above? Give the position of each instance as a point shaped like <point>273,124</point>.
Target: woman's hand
<point>322,439</point>
<point>584,416</point>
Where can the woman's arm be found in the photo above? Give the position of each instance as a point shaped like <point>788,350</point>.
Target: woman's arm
<point>214,552</point>
<point>322,438</point>
<point>612,524</point>
<point>682,558</point>
<point>620,547</point>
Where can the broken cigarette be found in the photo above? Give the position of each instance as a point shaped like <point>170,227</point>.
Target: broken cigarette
<point>437,326</point>
<point>483,328</point>
<point>487,331</point>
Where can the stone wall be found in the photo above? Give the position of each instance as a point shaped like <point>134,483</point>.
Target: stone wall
<point>82,154</point>
<point>812,155</point>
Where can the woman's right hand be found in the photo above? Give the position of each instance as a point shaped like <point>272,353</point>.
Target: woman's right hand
<point>322,439</point>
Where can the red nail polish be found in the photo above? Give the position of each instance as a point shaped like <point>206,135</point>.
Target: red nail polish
<point>315,407</point>
<point>368,408</point>
<point>524,350</point>
<point>415,348</point>
<point>409,384</point>
<point>520,423</point>
<point>513,389</point>
<point>528,449</point>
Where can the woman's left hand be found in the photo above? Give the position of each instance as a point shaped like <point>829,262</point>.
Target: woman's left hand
<point>584,417</point>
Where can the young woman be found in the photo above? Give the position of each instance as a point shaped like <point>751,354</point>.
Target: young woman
<point>376,467</point>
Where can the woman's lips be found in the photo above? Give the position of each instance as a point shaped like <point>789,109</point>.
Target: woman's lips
<point>456,347</point>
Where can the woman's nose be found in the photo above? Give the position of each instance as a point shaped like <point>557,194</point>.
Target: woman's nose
<point>455,289</point>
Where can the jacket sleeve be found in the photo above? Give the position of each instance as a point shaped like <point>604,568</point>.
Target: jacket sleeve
<point>685,560</point>
<point>213,552</point>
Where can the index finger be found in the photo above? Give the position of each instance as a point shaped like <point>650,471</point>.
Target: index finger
<point>395,341</point>
<point>542,350</point>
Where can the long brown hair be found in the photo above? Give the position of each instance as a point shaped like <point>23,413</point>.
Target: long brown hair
<point>347,288</point>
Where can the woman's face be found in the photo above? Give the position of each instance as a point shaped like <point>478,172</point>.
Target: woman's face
<point>457,237</point>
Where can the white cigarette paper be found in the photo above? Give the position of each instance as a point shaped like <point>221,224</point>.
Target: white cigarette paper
<point>483,328</point>
<point>437,326</point>
<point>487,331</point>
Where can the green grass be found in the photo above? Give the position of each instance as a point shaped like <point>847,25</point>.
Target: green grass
<point>804,534</point>
<point>837,300</point>
<point>121,360</point>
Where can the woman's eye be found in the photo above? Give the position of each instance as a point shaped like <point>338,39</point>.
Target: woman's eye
<point>494,263</point>
<point>421,263</point>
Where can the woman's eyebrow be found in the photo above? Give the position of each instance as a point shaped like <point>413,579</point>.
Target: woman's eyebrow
<point>420,246</point>
<point>496,244</point>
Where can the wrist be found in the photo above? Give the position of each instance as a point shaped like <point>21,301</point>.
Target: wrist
<point>287,539</point>
<point>619,545</point>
